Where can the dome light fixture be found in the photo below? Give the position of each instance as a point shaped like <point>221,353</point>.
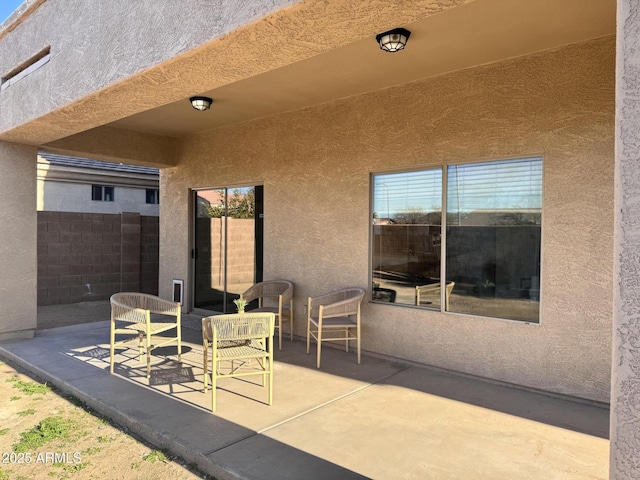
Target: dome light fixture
<point>393,40</point>
<point>201,103</point>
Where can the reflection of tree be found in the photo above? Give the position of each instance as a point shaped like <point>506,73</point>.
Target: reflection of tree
<point>239,205</point>
<point>521,218</point>
<point>415,216</point>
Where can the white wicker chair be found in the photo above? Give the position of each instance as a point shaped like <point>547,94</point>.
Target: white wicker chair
<point>274,296</point>
<point>433,289</point>
<point>245,340</point>
<point>336,313</point>
<point>135,310</point>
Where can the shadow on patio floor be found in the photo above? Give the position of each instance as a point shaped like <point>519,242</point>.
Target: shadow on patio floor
<point>380,419</point>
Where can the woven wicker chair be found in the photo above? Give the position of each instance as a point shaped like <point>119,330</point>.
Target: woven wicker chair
<point>274,296</point>
<point>434,289</point>
<point>135,309</point>
<point>336,314</point>
<point>241,345</point>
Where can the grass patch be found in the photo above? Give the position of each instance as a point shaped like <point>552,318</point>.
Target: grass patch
<point>155,456</point>
<point>5,474</point>
<point>106,438</point>
<point>72,468</point>
<point>49,429</point>
<point>92,450</point>
<point>14,398</point>
<point>24,413</point>
<point>30,388</point>
<point>4,431</point>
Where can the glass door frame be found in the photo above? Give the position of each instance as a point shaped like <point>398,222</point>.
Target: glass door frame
<point>258,238</point>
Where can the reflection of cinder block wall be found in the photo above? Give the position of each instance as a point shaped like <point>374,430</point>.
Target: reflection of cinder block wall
<point>513,257</point>
<point>88,257</point>
<point>407,249</point>
<point>240,251</point>
<point>240,254</point>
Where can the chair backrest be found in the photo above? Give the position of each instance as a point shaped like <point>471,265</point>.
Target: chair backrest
<point>269,288</point>
<point>127,307</point>
<point>434,288</point>
<point>239,326</point>
<point>339,303</point>
<point>133,306</point>
<point>129,299</point>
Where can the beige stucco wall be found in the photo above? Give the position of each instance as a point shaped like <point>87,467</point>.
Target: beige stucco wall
<point>18,235</point>
<point>315,165</point>
<point>98,45</point>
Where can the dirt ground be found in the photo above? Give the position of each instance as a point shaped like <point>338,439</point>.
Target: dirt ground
<point>45,435</point>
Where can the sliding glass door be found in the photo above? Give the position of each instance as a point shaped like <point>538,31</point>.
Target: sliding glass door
<point>228,243</point>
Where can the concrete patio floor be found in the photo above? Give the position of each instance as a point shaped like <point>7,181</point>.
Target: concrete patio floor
<point>381,419</point>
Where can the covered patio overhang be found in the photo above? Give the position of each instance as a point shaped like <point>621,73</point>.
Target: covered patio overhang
<point>276,57</point>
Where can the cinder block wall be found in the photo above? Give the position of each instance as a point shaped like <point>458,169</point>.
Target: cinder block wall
<point>84,257</point>
<point>149,254</point>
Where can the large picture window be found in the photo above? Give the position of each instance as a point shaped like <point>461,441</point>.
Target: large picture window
<point>487,245</point>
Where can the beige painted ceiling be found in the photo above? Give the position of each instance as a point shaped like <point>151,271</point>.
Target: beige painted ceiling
<point>482,32</point>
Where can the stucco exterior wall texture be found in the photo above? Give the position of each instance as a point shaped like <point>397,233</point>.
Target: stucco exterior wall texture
<point>110,80</point>
<point>315,165</point>
<point>104,32</point>
<point>76,197</point>
<point>625,378</point>
<point>18,241</point>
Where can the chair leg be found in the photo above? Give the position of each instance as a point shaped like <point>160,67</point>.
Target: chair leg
<point>346,335</point>
<point>308,335</point>
<point>148,356</point>
<point>358,341</point>
<point>113,341</point>
<point>214,385</point>
<point>279,331</point>
<point>291,319</point>
<point>269,365</point>
<point>270,360</point>
<point>205,364</point>
<point>319,346</point>
<point>179,343</point>
<point>140,343</point>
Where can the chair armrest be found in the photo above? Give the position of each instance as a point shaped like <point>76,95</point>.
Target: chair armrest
<point>252,293</point>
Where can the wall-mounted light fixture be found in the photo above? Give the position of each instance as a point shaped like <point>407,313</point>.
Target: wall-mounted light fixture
<point>393,40</point>
<point>201,103</point>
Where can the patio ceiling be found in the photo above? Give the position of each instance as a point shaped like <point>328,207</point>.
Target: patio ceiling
<point>481,32</point>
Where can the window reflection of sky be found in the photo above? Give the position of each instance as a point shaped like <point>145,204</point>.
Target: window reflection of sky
<point>499,185</point>
<point>401,192</point>
<point>505,185</point>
